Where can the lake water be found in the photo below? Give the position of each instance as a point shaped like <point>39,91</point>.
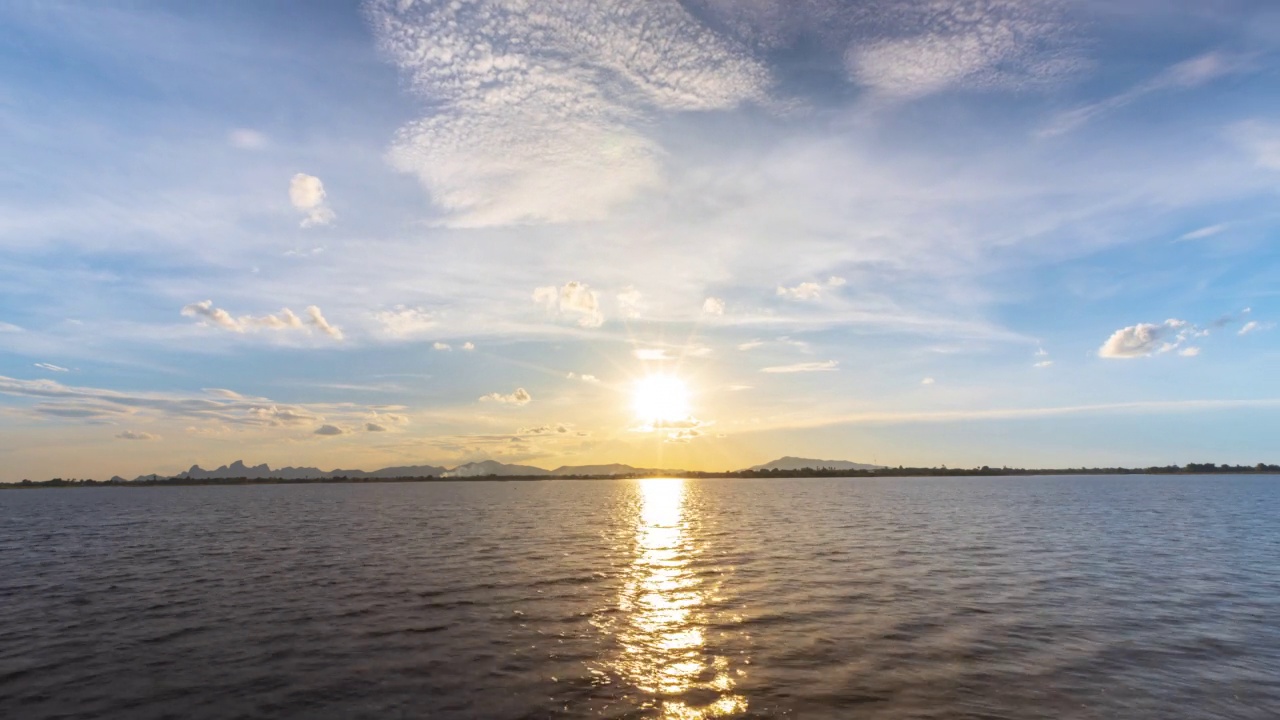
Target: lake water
<point>1078,597</point>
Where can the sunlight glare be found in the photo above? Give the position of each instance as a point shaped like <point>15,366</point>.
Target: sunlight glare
<point>661,398</point>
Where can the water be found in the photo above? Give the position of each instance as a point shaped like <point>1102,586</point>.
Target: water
<point>919,598</point>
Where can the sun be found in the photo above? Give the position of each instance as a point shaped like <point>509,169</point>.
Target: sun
<point>661,398</point>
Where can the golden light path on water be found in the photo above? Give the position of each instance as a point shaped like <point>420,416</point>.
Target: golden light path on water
<point>663,638</point>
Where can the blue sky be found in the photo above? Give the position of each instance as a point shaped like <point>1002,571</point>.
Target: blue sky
<point>1032,232</point>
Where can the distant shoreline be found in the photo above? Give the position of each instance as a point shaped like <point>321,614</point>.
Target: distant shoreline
<point>902,472</point>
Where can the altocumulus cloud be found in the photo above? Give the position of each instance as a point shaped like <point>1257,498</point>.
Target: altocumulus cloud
<point>518,398</point>
<point>307,194</point>
<point>536,108</point>
<point>329,430</point>
<point>286,319</point>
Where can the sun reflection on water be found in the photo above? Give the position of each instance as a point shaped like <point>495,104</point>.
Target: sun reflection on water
<point>663,639</point>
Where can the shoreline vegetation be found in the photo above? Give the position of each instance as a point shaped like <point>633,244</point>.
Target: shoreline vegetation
<point>901,472</point>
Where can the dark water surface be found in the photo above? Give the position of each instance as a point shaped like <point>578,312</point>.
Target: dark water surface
<point>1081,597</point>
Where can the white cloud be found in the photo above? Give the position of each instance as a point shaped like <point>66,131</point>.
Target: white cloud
<point>316,318</point>
<point>468,346</point>
<point>402,321</point>
<point>444,347</point>
<point>1044,364</point>
<point>740,388</point>
<point>535,108</point>
<point>591,379</point>
<point>631,303</point>
<point>329,430</point>
<point>751,344</point>
<point>1189,351</point>
<point>927,381</point>
<point>572,298</point>
<point>824,366</point>
<point>246,139</point>
<point>132,435</point>
<point>51,368</point>
<point>653,354</point>
<point>307,194</point>
<point>1204,232</point>
<point>713,306</point>
<point>1147,339</point>
<point>803,291</point>
<point>1254,326</point>
<point>518,398</point>
<point>836,281</point>
<point>284,320</point>
<point>9,328</point>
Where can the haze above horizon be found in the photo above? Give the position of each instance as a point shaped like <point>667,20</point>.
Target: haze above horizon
<point>699,234</point>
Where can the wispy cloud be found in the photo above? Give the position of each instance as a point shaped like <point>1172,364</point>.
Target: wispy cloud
<point>133,435</point>
<point>9,328</point>
<point>247,139</point>
<point>713,306</point>
<point>1204,232</point>
<point>402,321</point>
<point>803,291</point>
<point>824,366</point>
<point>51,367</point>
<point>1254,326</point>
<point>1187,74</point>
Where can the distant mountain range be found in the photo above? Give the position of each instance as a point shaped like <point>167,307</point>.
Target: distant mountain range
<point>796,463</point>
<point>486,468</point>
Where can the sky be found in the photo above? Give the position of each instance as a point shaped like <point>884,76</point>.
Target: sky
<point>910,232</point>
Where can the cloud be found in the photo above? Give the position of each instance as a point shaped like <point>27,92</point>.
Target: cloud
<point>307,194</point>
<point>927,381</point>
<point>1254,326</point>
<point>537,110</point>
<point>444,347</point>
<point>836,281</point>
<point>1204,232</point>
<point>51,368</point>
<point>556,429</point>
<point>631,303</point>
<point>329,430</point>
<point>316,318</point>
<point>652,354</point>
<point>518,398</point>
<point>983,44</point>
<point>713,306</point>
<point>131,435</point>
<point>403,321</point>
<point>1189,351</point>
<point>572,298</point>
<point>683,436</point>
<point>468,346</point>
<point>246,139</point>
<point>284,320</point>
<point>592,379</point>
<point>803,291</point>
<point>374,427</point>
<point>1185,75</point>
<point>1261,140</point>
<point>1147,339</point>
<point>1043,364</point>
<point>751,344</point>
<point>9,328</point>
<point>215,406</point>
<point>824,366</point>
